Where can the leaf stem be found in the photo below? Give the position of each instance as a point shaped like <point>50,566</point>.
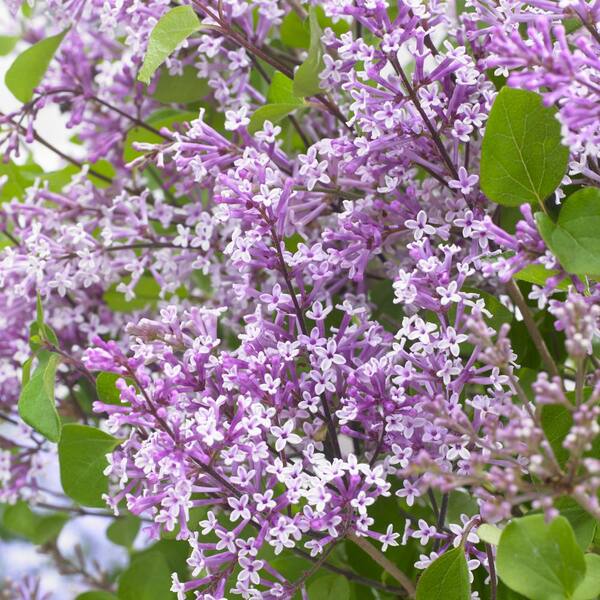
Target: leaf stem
<point>515,295</point>
<point>385,563</point>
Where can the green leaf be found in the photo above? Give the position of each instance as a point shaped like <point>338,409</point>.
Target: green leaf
<point>165,117</point>
<point>124,530</point>
<point>96,595</point>
<point>293,31</point>
<point>106,388</point>
<point>148,578</point>
<point>505,593</point>
<point>539,275</point>
<point>306,78</point>
<point>589,588</point>
<point>446,578</point>
<point>39,529</point>
<point>39,311</point>
<point>29,68</point>
<point>556,423</point>
<point>583,524</point>
<point>181,89</point>
<point>172,29</point>
<point>82,454</point>
<point>174,552</point>
<point>36,402</point>
<point>7,43</point>
<point>269,112</point>
<point>489,534</point>
<point>16,184</point>
<point>574,237</point>
<point>329,587</point>
<point>541,561</point>
<point>522,158</point>
<point>146,292</point>
<point>281,91</point>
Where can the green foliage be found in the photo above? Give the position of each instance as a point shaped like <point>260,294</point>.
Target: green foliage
<point>17,181</point>
<point>540,561</point>
<point>589,588</point>
<point>293,32</point>
<point>148,578</point>
<point>538,274</point>
<point>146,294</point>
<point>96,595</point>
<point>7,43</point>
<point>446,578</point>
<point>82,454</point>
<point>124,530</point>
<point>106,388</point>
<point>556,423</point>
<point>166,117</point>
<point>489,534</point>
<point>180,89</point>
<point>583,524</point>
<point>170,31</point>
<point>522,159</point>
<point>39,529</point>
<point>574,237</point>
<point>306,79</point>
<point>270,112</point>
<point>282,102</point>
<point>281,91</point>
<point>36,402</point>
<point>329,586</point>
<point>29,68</point>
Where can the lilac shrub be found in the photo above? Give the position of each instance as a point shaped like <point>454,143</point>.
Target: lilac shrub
<point>316,305</point>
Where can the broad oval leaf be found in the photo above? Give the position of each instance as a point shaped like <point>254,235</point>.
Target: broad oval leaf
<point>583,523</point>
<point>148,578</point>
<point>172,29</point>
<point>489,534</point>
<point>293,32</point>
<point>28,69</point>
<point>539,560</point>
<point>589,588</point>
<point>557,422</point>
<point>522,158</point>
<point>123,530</point>
<point>165,117</point>
<point>281,90</point>
<point>7,43</point>
<point>270,112</point>
<point>574,238</point>
<point>39,529</point>
<point>82,454</point>
<point>106,388</point>
<point>328,587</point>
<point>446,578</point>
<point>36,402</point>
<point>181,89</point>
<point>306,78</point>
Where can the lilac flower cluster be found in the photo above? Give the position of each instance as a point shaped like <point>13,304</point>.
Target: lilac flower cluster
<point>317,316</point>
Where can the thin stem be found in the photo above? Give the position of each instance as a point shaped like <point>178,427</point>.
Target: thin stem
<point>492,568</point>
<point>385,563</point>
<point>293,120</point>
<point>331,432</point>
<point>580,381</point>
<point>437,140</point>
<point>515,295</point>
<point>441,521</point>
<point>351,575</point>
